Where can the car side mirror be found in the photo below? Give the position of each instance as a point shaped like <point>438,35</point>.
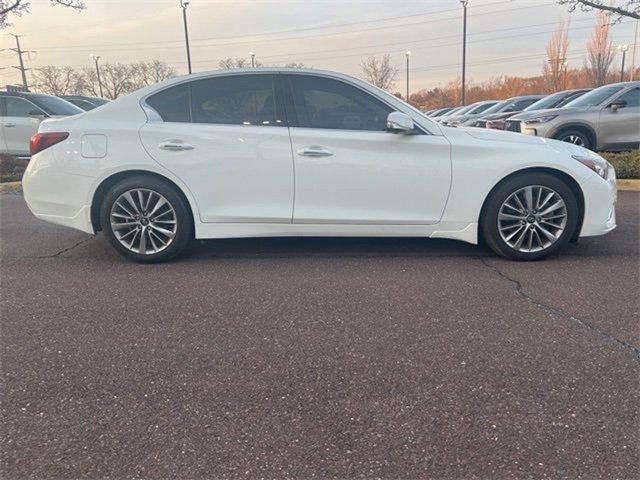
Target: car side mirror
<point>36,114</point>
<point>398,122</point>
<point>615,106</point>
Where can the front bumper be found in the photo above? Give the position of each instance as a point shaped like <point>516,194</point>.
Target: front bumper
<point>600,197</point>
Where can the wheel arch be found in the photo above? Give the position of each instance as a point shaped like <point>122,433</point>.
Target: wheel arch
<point>565,177</point>
<point>111,180</point>
<point>583,127</point>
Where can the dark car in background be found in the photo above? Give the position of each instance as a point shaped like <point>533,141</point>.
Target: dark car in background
<point>85,103</point>
<point>512,106</point>
<point>475,110</point>
<point>555,100</point>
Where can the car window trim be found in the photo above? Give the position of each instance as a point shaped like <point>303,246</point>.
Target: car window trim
<point>290,101</point>
<point>154,117</point>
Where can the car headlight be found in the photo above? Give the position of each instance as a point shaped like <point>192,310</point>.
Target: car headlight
<point>598,165</point>
<point>542,119</point>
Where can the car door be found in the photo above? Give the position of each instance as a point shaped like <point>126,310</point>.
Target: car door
<point>349,169</point>
<point>226,138</point>
<point>620,128</point>
<point>20,124</point>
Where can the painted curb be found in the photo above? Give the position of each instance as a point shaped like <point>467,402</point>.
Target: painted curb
<point>10,186</point>
<point>628,185</point>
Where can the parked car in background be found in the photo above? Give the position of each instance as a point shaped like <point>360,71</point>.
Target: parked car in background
<point>21,114</point>
<point>440,112</point>
<point>477,109</point>
<point>513,106</point>
<point>555,100</point>
<point>85,103</point>
<point>607,118</point>
<point>453,112</point>
<point>298,152</point>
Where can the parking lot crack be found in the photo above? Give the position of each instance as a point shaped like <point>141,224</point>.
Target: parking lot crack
<point>558,313</point>
<point>67,249</point>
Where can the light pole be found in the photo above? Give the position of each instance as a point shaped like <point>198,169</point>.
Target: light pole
<point>565,64</point>
<point>623,49</point>
<point>407,54</point>
<point>96,58</point>
<point>253,59</point>
<point>464,3</point>
<point>184,4</point>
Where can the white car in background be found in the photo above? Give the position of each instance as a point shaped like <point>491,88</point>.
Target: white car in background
<point>291,152</point>
<point>21,114</point>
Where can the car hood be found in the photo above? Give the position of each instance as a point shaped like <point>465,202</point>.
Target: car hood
<point>522,116</point>
<point>491,135</point>
<point>499,116</point>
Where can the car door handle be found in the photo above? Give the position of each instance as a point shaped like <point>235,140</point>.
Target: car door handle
<point>9,125</point>
<point>314,151</point>
<point>175,146</point>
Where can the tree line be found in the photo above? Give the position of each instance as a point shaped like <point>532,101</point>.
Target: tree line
<point>596,70</point>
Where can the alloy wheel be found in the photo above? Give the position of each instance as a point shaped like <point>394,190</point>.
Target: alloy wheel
<point>143,221</point>
<point>532,218</point>
<point>575,139</point>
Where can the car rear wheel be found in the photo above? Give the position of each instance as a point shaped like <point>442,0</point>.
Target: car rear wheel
<point>529,217</point>
<point>146,220</point>
<point>576,137</point>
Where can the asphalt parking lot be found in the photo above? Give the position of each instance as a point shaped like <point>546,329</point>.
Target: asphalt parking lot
<point>318,358</point>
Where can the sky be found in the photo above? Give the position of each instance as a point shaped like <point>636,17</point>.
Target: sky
<point>505,37</point>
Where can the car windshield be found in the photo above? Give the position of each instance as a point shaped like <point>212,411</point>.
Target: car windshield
<point>549,101</point>
<point>594,97</point>
<point>98,101</point>
<point>480,108</point>
<point>55,105</point>
<point>495,108</point>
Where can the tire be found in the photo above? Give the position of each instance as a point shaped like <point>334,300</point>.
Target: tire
<point>576,137</point>
<point>502,225</point>
<point>150,214</point>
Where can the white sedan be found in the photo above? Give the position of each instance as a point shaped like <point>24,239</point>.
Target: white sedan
<point>290,152</point>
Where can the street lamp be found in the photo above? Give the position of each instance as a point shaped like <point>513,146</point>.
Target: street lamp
<point>565,64</point>
<point>465,4</point>
<point>96,58</point>
<point>184,4</point>
<point>407,54</point>
<point>623,49</point>
<point>253,59</point>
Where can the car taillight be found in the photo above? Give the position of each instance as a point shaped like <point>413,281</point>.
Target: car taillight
<point>40,141</point>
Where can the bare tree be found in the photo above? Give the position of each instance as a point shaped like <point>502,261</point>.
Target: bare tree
<point>230,63</point>
<point>19,7</point>
<point>554,69</point>
<point>57,81</point>
<point>117,79</point>
<point>600,52</point>
<point>379,71</point>
<point>149,73</point>
<point>623,8</point>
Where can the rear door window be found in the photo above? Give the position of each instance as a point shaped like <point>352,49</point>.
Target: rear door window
<point>236,100</point>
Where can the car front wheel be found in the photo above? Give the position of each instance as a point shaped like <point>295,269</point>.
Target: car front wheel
<point>576,137</point>
<point>146,220</point>
<point>530,216</point>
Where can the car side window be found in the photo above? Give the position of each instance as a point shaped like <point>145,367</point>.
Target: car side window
<point>172,104</point>
<point>321,102</point>
<point>19,107</point>
<point>236,100</point>
<point>522,104</point>
<point>632,97</point>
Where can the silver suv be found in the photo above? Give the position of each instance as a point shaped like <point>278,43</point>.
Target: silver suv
<point>607,118</point>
